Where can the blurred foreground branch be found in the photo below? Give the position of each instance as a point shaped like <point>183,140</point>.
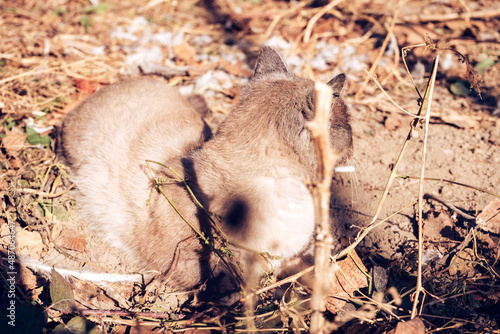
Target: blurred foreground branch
<point>320,133</point>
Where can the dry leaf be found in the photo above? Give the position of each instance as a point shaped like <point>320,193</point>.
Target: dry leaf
<point>185,54</point>
<point>348,278</point>
<point>463,263</point>
<point>323,26</point>
<point>414,326</point>
<point>85,89</point>
<point>13,142</point>
<point>489,219</point>
<point>61,293</point>
<point>440,226</point>
<point>86,86</point>
<point>492,243</point>
<point>335,304</point>
<point>199,70</point>
<point>293,31</point>
<point>29,282</point>
<point>413,34</point>
<point>71,239</point>
<point>236,69</point>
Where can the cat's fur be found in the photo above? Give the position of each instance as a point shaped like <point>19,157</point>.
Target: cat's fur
<point>251,172</point>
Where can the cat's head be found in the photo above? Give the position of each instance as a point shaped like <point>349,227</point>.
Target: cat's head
<point>276,105</point>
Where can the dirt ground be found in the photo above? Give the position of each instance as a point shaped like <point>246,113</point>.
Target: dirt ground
<point>56,53</point>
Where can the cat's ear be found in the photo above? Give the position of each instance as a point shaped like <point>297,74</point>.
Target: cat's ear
<point>269,61</point>
<point>337,84</point>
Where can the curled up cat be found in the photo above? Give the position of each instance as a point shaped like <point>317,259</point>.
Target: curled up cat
<point>156,184</point>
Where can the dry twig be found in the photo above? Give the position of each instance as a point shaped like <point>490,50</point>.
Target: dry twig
<point>428,100</point>
<point>380,53</point>
<point>320,132</point>
<point>316,17</point>
<point>422,18</point>
<point>45,194</point>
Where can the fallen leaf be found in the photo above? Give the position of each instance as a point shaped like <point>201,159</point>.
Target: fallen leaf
<point>493,243</point>
<point>460,88</point>
<point>489,219</point>
<point>61,293</point>
<point>414,326</point>
<point>236,69</point>
<point>59,211</point>
<point>348,278</point>
<point>29,281</point>
<point>335,304</point>
<point>414,34</point>
<point>71,239</point>
<point>85,89</point>
<point>86,86</point>
<point>293,30</point>
<point>439,225</point>
<point>13,142</point>
<point>463,263</point>
<point>323,26</point>
<point>72,105</point>
<point>199,70</point>
<point>77,325</point>
<point>185,54</point>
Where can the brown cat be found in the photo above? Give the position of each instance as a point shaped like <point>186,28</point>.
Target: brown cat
<point>251,172</point>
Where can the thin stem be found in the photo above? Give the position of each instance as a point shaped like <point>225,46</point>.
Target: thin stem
<point>160,189</point>
<point>389,97</point>
<point>404,177</point>
<point>430,90</point>
<point>380,54</point>
<point>404,52</point>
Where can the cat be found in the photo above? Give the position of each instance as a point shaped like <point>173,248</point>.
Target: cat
<point>250,174</point>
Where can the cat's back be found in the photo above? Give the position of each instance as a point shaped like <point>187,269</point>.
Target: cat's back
<point>141,118</point>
